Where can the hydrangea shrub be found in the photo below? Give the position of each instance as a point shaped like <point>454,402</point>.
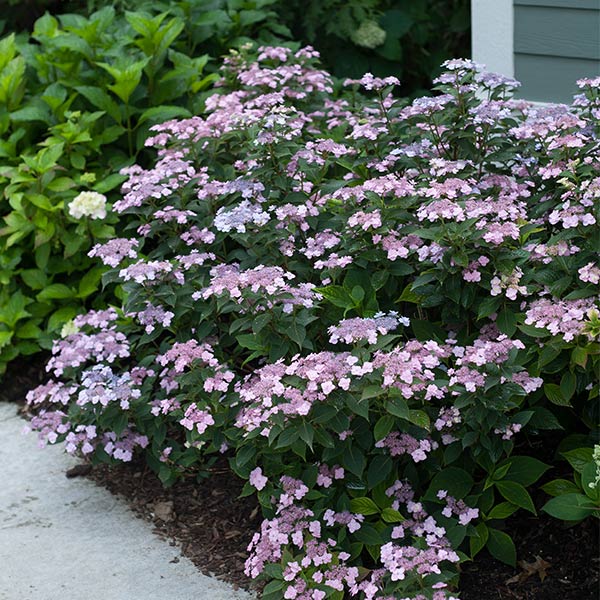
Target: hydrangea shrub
<point>368,306</point>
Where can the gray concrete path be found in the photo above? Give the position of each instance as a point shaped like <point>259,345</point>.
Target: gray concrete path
<point>68,539</point>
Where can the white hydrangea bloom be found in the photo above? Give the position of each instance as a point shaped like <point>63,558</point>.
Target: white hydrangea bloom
<point>88,204</point>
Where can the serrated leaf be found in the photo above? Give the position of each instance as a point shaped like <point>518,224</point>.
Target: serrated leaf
<point>514,492</point>
<point>389,515</point>
<point>456,481</point>
<point>554,394</point>
<point>507,322</point>
<point>363,506</point>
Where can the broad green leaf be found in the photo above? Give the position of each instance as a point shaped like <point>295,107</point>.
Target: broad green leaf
<point>579,457</point>
<point>570,507</point>
<point>554,394</point>
<point>502,510</point>
<point>501,547</point>
<point>525,470</point>
<point>514,492</point>
<point>507,322</point>
<point>363,506</point>
<point>56,291</point>
<point>556,487</point>
<point>479,539</point>
<point>454,480</point>
<point>568,384</point>
<point>389,515</point>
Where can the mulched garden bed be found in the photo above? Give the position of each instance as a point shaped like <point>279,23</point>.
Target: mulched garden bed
<point>213,526</point>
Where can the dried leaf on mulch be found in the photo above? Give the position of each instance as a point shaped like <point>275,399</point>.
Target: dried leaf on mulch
<point>538,567</point>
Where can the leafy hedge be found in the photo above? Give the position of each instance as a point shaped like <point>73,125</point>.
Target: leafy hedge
<point>408,39</point>
<point>405,38</point>
<point>77,99</point>
<point>375,309</point>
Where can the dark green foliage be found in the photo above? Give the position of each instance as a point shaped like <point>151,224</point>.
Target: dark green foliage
<point>419,36</point>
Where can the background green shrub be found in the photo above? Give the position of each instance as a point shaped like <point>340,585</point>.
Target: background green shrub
<point>77,99</point>
<point>405,38</point>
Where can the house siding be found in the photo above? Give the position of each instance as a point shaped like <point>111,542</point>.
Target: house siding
<point>556,42</point>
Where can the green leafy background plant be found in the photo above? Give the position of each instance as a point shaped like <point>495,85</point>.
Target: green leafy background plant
<point>77,99</point>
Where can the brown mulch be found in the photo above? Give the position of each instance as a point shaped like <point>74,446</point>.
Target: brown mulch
<point>213,526</point>
<point>556,562</point>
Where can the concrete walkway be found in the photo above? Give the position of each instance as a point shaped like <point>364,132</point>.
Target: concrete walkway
<point>68,539</point>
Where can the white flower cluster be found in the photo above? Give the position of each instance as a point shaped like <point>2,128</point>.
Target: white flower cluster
<point>88,204</point>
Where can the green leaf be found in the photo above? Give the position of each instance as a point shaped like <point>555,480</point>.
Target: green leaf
<point>60,317</point>
<point>507,322</point>
<point>579,356</point>
<point>383,427</point>
<point>554,394</point>
<point>363,506</point>
<point>542,418</point>
<point>250,341</point>
<point>56,291</point>
<point>514,492</point>
<point>34,278</point>
<point>569,507</point>
<point>389,515</point>
<point>578,458</point>
<point>502,510</point>
<point>287,437</point>
<point>589,484</point>
<point>31,113</point>
<point>420,419</point>
<point>479,539</point>
<point>109,183</point>
<point>488,306</point>
<point>14,310</point>
<point>501,547</point>
<point>336,295</point>
<point>354,460</point>
<point>367,534</point>
<point>568,384</point>
<point>425,330</point>
<point>556,487</point>
<point>457,482</point>
<point>524,469</point>
<point>160,114</point>
<point>379,469</point>
<point>398,407</point>
<point>29,331</point>
<point>90,282</point>
<point>372,391</point>
<point>5,338</point>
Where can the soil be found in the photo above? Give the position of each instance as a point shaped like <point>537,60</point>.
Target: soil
<point>22,374</point>
<point>213,526</point>
<point>556,562</point>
